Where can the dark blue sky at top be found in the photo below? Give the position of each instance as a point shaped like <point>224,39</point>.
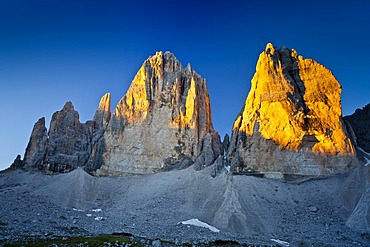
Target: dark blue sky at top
<point>55,51</point>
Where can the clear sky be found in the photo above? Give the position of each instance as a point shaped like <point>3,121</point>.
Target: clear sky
<point>55,51</point>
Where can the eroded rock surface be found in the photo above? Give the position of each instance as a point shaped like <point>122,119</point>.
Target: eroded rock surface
<point>36,149</point>
<point>291,121</point>
<point>163,121</point>
<point>360,123</point>
<point>103,114</point>
<point>69,141</point>
<point>66,146</point>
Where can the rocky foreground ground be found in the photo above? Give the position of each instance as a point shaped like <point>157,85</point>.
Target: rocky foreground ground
<point>246,209</point>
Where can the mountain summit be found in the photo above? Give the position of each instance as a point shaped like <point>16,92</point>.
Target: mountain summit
<point>162,122</point>
<point>291,121</point>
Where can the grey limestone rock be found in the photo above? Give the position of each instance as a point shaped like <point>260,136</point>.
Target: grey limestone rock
<point>360,123</point>
<point>17,163</point>
<point>103,114</point>
<point>36,149</point>
<point>162,123</point>
<point>69,141</point>
<point>163,120</point>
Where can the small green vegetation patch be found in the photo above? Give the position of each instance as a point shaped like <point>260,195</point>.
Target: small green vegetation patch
<point>101,240</point>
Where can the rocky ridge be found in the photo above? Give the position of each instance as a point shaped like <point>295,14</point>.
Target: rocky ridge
<point>291,121</point>
<point>163,122</point>
<point>356,195</point>
<point>291,124</point>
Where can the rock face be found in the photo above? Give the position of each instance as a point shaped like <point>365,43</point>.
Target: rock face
<point>356,196</point>
<point>17,163</point>
<point>291,121</point>
<point>163,121</point>
<point>356,190</point>
<point>69,141</point>
<point>101,119</point>
<point>103,114</point>
<point>360,123</point>
<point>36,149</point>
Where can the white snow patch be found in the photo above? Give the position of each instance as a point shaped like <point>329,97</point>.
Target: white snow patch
<point>196,222</point>
<point>96,210</point>
<point>99,218</point>
<point>283,243</point>
<point>76,209</point>
<point>88,215</point>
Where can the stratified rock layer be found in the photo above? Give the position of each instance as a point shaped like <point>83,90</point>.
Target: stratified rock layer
<point>291,121</point>
<point>163,121</point>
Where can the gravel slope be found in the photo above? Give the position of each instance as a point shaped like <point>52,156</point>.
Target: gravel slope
<point>244,208</point>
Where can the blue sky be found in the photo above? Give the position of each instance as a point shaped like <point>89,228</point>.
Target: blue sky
<point>55,51</point>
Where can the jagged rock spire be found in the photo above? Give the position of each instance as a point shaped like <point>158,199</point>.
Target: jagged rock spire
<point>37,145</point>
<point>103,114</point>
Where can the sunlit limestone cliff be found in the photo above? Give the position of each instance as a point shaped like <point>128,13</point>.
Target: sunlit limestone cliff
<point>162,122</point>
<point>291,121</point>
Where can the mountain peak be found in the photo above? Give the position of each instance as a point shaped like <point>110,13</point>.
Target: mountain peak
<point>162,120</point>
<point>294,105</point>
<point>68,106</point>
<point>103,114</point>
<point>270,49</point>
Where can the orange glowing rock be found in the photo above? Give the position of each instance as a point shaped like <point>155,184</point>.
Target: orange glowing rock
<point>103,114</point>
<point>164,120</point>
<point>293,102</point>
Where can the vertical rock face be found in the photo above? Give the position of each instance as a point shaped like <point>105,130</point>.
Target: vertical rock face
<point>356,190</point>
<point>36,148</point>
<point>163,121</point>
<point>291,121</point>
<point>69,141</point>
<point>101,119</point>
<point>103,114</point>
<point>360,123</point>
